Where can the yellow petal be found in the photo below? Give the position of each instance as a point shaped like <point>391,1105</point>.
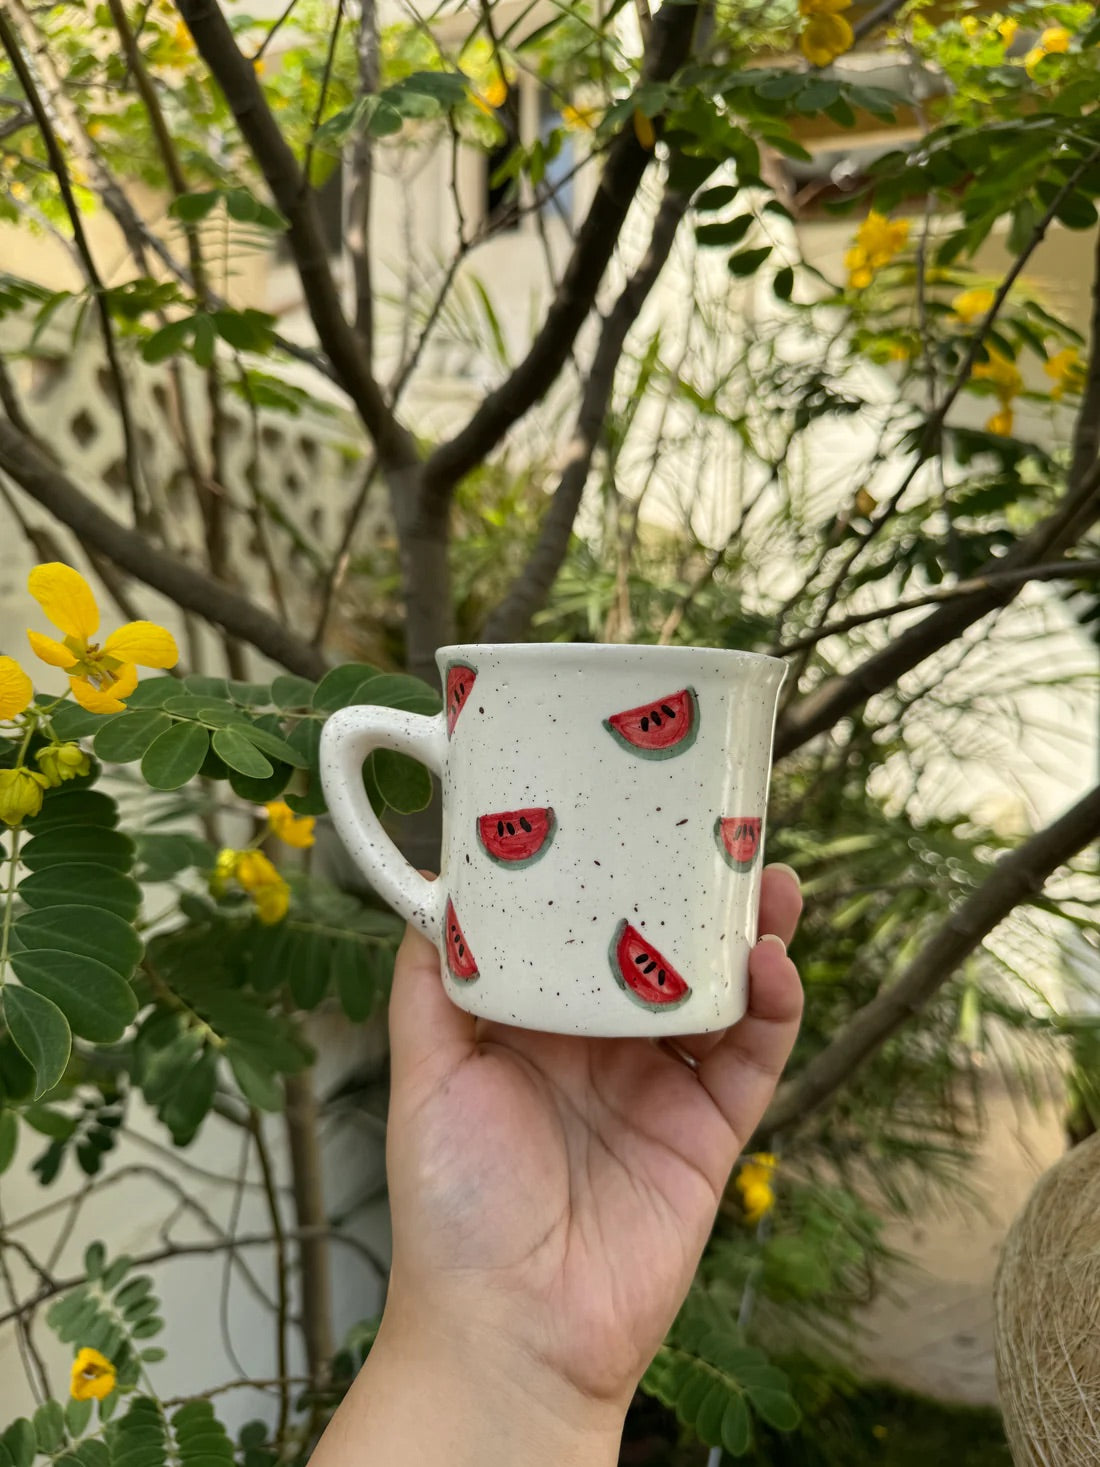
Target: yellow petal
<point>825,37</point>
<point>644,130</point>
<point>16,688</point>
<point>55,653</point>
<point>108,699</point>
<point>144,643</point>
<point>66,598</point>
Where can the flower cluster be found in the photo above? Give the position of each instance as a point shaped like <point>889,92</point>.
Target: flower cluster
<point>1066,371</point>
<point>754,1182</point>
<point>255,874</point>
<point>973,304</point>
<point>878,240</point>
<point>827,34</point>
<point>101,677</point>
<point>1003,375</point>
<point>1054,41</point>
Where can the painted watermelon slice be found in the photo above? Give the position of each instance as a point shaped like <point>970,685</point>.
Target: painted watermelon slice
<point>667,726</point>
<point>642,973</point>
<point>460,684</point>
<point>517,838</point>
<point>460,960</point>
<point>738,839</point>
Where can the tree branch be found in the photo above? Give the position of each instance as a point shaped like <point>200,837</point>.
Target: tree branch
<point>132,551</point>
<point>361,169</point>
<point>821,709</point>
<point>512,618</point>
<point>60,169</point>
<point>1014,879</point>
<point>627,160</point>
<point>1060,570</point>
<point>235,75</point>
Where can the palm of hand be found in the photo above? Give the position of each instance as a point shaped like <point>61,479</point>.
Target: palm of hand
<point>561,1189</point>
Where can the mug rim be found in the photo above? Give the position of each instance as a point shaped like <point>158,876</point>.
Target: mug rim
<point>601,651</point>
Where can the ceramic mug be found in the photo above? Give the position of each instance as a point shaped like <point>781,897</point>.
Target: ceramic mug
<point>603,818</point>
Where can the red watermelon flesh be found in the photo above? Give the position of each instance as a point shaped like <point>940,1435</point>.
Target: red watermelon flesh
<point>660,729</point>
<point>738,838</point>
<point>642,973</point>
<point>460,960</point>
<point>517,838</point>
<point>460,684</point>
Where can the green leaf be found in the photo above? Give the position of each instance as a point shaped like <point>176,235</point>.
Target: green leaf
<point>9,1138</point>
<point>245,208</point>
<point>308,974</point>
<point>231,746</point>
<point>191,208</point>
<point>777,1408</point>
<point>273,745</point>
<point>49,1427</point>
<point>116,1271</point>
<point>747,262</point>
<point>97,1003</point>
<point>153,692</point>
<point>75,845</point>
<point>205,340</point>
<point>95,1259</point>
<point>163,856</point>
<point>66,806</point>
<point>126,736</point>
<point>83,931</point>
<point>19,1440</point>
<point>731,231</point>
<point>352,978</point>
<point>290,692</point>
<point>169,340</point>
<point>715,198</point>
<point>250,695</point>
<point>184,1111</point>
<point>207,688</point>
<point>77,1416</point>
<point>86,885</point>
<point>247,330</point>
<point>175,757</point>
<point>41,1034</point>
<point>260,791</point>
<point>70,721</point>
<point>405,785</point>
<point>337,688</point>
<point>736,1428</point>
<point>259,1087</point>
<point>399,690</point>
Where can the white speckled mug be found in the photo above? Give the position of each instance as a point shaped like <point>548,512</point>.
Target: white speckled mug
<point>603,814</point>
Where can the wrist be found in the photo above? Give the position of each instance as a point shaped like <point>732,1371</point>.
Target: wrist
<point>432,1390</point>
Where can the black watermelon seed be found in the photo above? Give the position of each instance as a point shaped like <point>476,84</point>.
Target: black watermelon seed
<point>650,968</point>
<point>656,717</point>
<point>667,711</point>
<point>640,959</point>
<point>500,827</point>
<point>511,828</point>
<point>523,820</point>
<point>645,723</point>
<point>661,976</point>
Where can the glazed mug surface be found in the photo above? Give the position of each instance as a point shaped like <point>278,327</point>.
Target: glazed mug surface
<point>603,819</point>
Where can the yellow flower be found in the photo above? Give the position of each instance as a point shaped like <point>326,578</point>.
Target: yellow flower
<point>16,689</point>
<point>1001,422</point>
<point>878,240</point>
<point>181,37</point>
<point>94,128</point>
<point>1053,42</point>
<point>259,66</point>
<point>93,1376</point>
<point>1055,39</point>
<point>1067,371</point>
<point>971,305</point>
<point>294,830</point>
<point>101,677</point>
<point>971,26</point>
<point>577,119</point>
<point>258,877</point>
<point>823,7</point>
<point>1002,374</point>
<point>754,1182</point>
<point>825,36</point>
<point>20,794</point>
<point>1007,29</point>
<point>60,762</point>
<point>643,130</point>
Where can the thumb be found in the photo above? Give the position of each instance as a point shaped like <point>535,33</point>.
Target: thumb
<point>426,1028</point>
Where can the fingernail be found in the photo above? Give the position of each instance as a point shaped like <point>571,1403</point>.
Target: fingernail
<point>791,872</point>
<point>773,937</point>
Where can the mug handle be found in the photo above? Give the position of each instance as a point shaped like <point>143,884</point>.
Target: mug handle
<point>348,736</point>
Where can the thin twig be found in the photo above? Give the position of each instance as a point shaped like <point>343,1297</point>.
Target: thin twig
<point>282,1269</point>
<point>322,98</point>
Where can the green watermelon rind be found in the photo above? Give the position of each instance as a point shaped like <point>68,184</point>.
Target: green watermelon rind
<point>741,866</point>
<point>617,974</point>
<point>673,750</point>
<point>551,832</point>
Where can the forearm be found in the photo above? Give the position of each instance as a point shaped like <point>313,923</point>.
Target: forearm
<point>427,1399</point>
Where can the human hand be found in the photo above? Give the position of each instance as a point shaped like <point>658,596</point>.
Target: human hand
<point>551,1195</point>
